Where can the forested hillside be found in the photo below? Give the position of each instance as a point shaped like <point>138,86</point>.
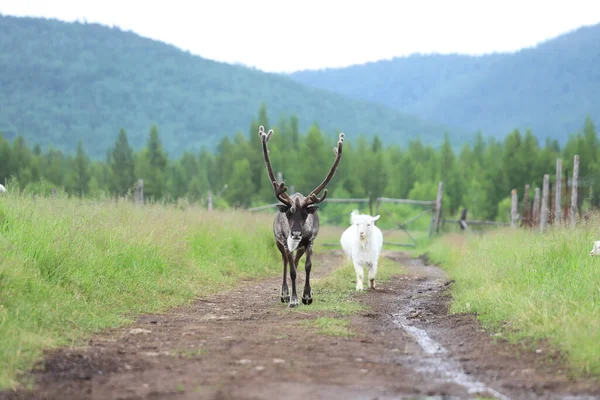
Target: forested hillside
<point>549,88</point>
<point>480,176</point>
<point>62,82</point>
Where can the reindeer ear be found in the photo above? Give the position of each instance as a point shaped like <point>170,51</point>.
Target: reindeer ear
<point>283,208</point>
<point>312,209</point>
<point>375,218</point>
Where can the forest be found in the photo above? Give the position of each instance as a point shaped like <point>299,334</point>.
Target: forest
<point>479,176</point>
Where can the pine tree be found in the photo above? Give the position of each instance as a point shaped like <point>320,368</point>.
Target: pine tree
<point>314,162</point>
<point>151,166</point>
<point>240,186</point>
<point>449,175</point>
<point>53,166</point>
<point>82,173</point>
<point>5,162</point>
<point>377,170</point>
<point>20,159</point>
<point>122,165</point>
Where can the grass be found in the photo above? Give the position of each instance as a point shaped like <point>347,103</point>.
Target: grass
<point>531,286</point>
<point>331,326</point>
<point>70,267</point>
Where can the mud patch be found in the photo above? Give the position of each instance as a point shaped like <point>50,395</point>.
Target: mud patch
<point>245,344</point>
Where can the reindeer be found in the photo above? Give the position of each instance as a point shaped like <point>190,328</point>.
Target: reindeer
<point>296,223</point>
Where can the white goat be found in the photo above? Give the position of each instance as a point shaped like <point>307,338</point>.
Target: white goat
<point>362,242</point>
<point>2,188</point>
<point>596,249</point>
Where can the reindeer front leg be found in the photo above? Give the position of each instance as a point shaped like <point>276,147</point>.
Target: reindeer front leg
<point>307,294</point>
<point>293,268</point>
<point>285,292</point>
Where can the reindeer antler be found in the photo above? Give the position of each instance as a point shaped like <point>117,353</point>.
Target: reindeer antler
<point>312,197</point>
<point>279,188</point>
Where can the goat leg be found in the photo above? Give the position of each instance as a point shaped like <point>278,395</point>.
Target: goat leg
<point>359,276</point>
<point>372,273</point>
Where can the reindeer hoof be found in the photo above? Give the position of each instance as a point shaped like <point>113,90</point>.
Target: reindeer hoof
<point>293,302</point>
<point>307,300</point>
<point>285,299</point>
<point>372,283</point>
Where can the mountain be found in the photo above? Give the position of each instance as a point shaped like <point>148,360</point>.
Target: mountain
<point>549,88</point>
<point>61,82</point>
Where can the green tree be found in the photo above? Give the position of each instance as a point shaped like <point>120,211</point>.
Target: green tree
<point>82,173</point>
<point>239,190</point>
<point>20,158</point>
<point>151,166</point>
<point>449,175</point>
<point>377,175</point>
<point>122,165</point>
<point>5,163</point>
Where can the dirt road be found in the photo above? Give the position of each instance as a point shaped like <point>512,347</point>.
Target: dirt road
<point>244,344</point>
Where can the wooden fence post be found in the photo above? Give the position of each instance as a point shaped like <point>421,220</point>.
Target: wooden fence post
<point>438,207</point>
<point>139,192</point>
<point>513,209</point>
<point>544,210</point>
<point>536,208</point>
<point>210,201</point>
<point>463,220</point>
<point>558,191</point>
<point>525,214</point>
<point>574,190</point>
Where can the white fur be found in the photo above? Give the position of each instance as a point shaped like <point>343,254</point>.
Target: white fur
<point>2,188</point>
<point>362,242</point>
<point>596,249</point>
<point>292,244</point>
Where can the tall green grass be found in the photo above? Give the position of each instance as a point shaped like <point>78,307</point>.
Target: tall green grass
<point>71,267</point>
<point>529,285</point>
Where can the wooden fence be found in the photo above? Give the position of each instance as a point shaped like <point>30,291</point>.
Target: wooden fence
<point>431,206</point>
<point>546,208</point>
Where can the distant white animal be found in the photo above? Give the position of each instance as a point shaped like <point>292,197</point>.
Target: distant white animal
<point>362,242</point>
<point>596,249</point>
<point>2,188</point>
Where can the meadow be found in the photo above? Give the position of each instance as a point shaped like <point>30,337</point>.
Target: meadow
<point>71,267</point>
<point>538,289</point>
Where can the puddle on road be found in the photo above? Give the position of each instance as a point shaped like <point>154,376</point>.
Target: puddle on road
<point>436,362</point>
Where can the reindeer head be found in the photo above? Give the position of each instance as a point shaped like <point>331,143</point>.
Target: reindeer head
<point>364,224</point>
<point>297,208</point>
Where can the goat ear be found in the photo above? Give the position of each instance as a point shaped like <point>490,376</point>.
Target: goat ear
<point>375,218</point>
<point>312,209</point>
<point>283,208</point>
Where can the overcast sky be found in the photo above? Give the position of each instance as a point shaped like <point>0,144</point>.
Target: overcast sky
<point>278,35</point>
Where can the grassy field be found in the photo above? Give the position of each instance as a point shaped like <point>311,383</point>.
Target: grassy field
<point>527,285</point>
<point>70,267</point>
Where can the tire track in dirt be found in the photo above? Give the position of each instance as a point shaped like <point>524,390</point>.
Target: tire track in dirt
<point>245,344</point>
